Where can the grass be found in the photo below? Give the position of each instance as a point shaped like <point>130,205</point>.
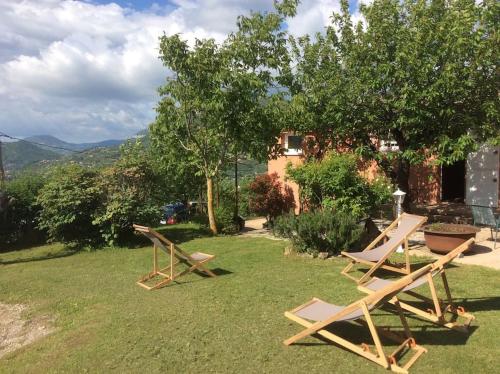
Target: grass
<point>232,323</point>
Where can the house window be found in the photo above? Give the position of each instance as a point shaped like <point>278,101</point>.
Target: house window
<point>293,144</point>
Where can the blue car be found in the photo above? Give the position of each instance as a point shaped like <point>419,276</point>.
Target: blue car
<point>174,213</point>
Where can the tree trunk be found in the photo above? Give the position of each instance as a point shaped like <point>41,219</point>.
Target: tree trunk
<point>217,191</point>
<point>403,170</point>
<point>236,212</point>
<point>403,182</point>
<point>210,205</point>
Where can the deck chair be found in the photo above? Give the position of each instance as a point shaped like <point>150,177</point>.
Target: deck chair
<point>436,312</point>
<point>378,257</point>
<point>194,261</point>
<point>316,315</point>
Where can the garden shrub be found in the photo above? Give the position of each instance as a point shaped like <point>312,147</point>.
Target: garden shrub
<point>129,195</point>
<point>319,231</point>
<point>269,198</point>
<point>334,183</point>
<point>224,216</point>
<point>19,210</point>
<point>68,203</point>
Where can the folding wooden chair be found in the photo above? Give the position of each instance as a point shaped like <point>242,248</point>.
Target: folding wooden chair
<point>378,257</point>
<point>437,309</point>
<point>194,261</point>
<point>316,315</point>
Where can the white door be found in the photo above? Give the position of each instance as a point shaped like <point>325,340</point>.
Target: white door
<point>481,180</point>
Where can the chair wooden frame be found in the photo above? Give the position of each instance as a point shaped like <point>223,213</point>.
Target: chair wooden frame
<point>383,263</point>
<point>436,312</point>
<point>366,304</point>
<point>177,256</point>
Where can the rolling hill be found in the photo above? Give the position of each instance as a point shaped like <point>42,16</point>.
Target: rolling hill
<point>52,141</point>
<point>18,155</point>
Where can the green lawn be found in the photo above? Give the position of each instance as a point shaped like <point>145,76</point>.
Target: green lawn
<point>232,323</point>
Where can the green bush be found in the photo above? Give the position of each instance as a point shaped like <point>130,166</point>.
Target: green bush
<point>68,203</point>
<point>334,183</point>
<point>319,231</point>
<point>19,210</point>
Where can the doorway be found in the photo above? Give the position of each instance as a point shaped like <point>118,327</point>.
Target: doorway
<point>453,182</point>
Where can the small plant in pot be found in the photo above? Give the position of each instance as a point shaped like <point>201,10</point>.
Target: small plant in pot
<point>444,237</point>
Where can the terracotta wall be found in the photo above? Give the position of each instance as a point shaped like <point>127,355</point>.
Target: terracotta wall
<point>425,183</point>
<point>425,180</point>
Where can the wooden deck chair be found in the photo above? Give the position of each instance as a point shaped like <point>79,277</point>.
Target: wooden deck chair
<point>437,309</point>
<point>378,257</point>
<point>316,315</point>
<point>194,261</point>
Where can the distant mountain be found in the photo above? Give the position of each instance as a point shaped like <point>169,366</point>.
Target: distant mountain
<point>65,147</point>
<point>37,152</point>
<point>18,155</point>
<point>95,157</point>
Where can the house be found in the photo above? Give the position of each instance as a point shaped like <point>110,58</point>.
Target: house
<point>474,181</point>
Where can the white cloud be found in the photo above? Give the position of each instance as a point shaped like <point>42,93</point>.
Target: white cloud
<point>313,16</point>
<point>84,72</point>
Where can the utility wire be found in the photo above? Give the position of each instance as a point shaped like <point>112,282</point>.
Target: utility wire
<point>44,145</point>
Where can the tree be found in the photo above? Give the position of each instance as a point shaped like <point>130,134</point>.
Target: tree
<point>316,88</point>
<point>19,210</point>
<point>218,102</point>
<point>417,72</point>
<point>68,203</point>
<point>424,80</point>
<point>131,193</point>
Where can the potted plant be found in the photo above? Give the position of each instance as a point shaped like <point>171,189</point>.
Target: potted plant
<point>444,237</point>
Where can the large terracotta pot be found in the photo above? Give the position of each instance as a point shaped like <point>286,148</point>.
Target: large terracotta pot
<point>444,237</point>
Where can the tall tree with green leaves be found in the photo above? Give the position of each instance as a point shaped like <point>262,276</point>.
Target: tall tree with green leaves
<point>421,73</point>
<point>218,102</point>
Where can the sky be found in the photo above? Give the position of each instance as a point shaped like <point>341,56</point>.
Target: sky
<point>88,70</point>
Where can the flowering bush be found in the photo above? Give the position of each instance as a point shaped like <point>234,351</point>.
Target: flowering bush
<point>269,198</point>
<point>334,183</point>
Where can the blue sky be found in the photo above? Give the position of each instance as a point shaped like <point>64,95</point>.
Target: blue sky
<point>89,70</point>
<point>136,4</point>
<point>146,4</point>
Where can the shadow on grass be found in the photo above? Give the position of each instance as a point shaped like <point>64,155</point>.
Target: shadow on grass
<point>176,234</point>
<point>47,256</point>
<point>217,271</point>
<point>426,335</point>
<point>472,305</point>
<point>181,281</point>
<point>183,234</point>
